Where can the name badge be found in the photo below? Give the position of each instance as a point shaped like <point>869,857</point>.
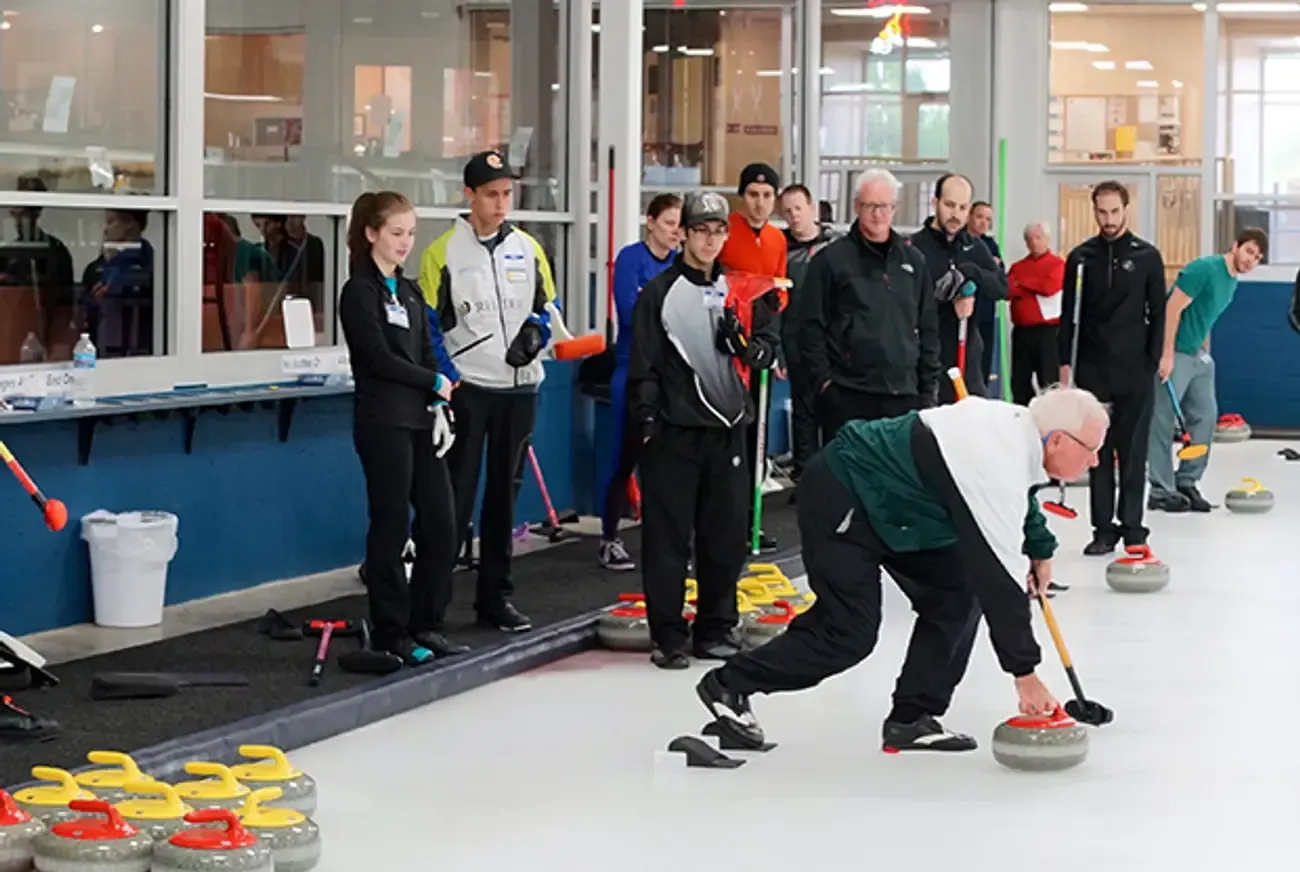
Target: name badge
<point>516,275</point>
<point>714,299</point>
<point>397,315</point>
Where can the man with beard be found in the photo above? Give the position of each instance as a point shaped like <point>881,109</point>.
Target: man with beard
<point>1121,340</point>
<point>963,269</point>
<point>1203,291</point>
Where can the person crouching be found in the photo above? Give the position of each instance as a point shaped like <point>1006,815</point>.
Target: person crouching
<point>692,407</point>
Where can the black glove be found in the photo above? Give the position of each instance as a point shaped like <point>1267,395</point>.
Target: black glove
<point>526,346</point>
<point>731,339</point>
<point>950,285</point>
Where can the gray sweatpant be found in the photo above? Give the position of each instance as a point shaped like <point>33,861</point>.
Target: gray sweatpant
<point>1193,383</point>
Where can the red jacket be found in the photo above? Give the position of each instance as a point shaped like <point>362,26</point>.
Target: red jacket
<point>1030,279</point>
<point>759,252</point>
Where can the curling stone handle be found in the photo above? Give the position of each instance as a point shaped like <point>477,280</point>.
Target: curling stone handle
<point>118,759</point>
<point>253,805</point>
<point>278,765</point>
<point>61,777</point>
<point>1141,553</point>
<point>173,805</point>
<point>116,822</point>
<point>217,816</point>
<point>1251,485</point>
<point>215,770</point>
<point>8,808</point>
<point>630,597</point>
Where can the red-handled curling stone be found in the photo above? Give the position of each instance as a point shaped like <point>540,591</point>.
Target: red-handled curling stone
<point>99,842</point>
<point>1040,744</point>
<point>1138,571</point>
<point>767,627</point>
<point>625,627</point>
<point>218,841</point>
<point>18,832</point>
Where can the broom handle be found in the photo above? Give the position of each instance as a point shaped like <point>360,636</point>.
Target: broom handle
<point>760,467</point>
<point>541,486</point>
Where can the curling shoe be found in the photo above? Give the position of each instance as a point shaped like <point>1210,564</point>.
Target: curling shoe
<point>17,725</point>
<point>923,734</point>
<point>722,649</point>
<point>439,644</point>
<point>730,711</point>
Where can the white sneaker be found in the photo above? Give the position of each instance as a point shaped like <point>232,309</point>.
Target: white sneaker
<point>614,556</point>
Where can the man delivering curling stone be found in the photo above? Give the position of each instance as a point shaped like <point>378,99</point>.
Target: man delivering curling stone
<point>941,498</point>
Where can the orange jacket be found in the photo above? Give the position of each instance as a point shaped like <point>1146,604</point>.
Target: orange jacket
<point>1029,279</point>
<point>760,253</point>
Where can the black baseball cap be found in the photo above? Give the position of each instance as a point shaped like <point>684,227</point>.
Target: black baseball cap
<point>484,167</point>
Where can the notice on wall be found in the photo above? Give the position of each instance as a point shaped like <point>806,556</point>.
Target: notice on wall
<point>1148,110</point>
<point>1085,124</point>
<point>58,104</point>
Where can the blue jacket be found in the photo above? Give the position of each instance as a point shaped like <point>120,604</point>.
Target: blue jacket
<point>634,267</point>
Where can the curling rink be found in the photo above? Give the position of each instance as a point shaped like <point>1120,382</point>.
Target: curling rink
<point>558,769</point>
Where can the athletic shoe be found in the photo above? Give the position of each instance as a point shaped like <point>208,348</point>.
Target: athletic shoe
<point>17,725</point>
<point>1102,543</point>
<point>718,649</point>
<point>1172,503</point>
<point>730,711</point>
<point>439,644</point>
<point>411,652</point>
<point>1195,501</point>
<point>613,555</point>
<point>670,659</point>
<point>924,734</point>
<point>505,618</point>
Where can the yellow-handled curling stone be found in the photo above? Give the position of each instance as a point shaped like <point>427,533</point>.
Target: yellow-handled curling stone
<point>297,788</point>
<point>218,841</point>
<point>1252,498</point>
<point>49,802</point>
<point>155,808</point>
<point>18,832</point>
<point>294,839</point>
<point>219,790</point>
<point>97,841</point>
<point>782,588</point>
<point>109,783</point>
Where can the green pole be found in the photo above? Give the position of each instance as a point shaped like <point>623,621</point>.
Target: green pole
<point>1004,308</point>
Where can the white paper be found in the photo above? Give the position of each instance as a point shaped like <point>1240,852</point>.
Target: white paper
<point>299,323</point>
<point>1049,307</point>
<point>325,363</point>
<point>1148,110</point>
<point>58,104</point>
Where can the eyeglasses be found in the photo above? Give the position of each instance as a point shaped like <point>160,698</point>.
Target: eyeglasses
<point>701,230</point>
<point>876,207</point>
<point>1084,445</point>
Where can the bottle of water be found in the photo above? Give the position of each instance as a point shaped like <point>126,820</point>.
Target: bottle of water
<point>32,351</point>
<point>83,366</point>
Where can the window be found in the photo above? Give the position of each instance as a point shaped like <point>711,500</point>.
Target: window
<point>1259,104</point>
<point>884,78</point>
<point>320,100</point>
<point>82,85</point>
<point>253,263</point>
<point>68,271</point>
<point>1118,92</point>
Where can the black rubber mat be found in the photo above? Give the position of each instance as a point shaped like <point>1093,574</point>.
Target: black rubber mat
<point>552,586</point>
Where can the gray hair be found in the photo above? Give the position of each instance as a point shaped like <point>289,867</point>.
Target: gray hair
<point>1038,225</point>
<point>874,176</point>
<point>1068,410</point>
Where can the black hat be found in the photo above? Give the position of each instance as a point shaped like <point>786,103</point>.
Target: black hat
<point>703,207</point>
<point>759,174</point>
<point>484,167</point>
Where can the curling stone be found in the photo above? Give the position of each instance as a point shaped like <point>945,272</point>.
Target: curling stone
<point>782,588</point>
<point>1252,498</point>
<point>626,627</point>
<point>293,838</point>
<point>221,790</point>
<point>297,788</point>
<point>768,626</point>
<point>18,832</point>
<point>160,816</point>
<point>1037,744</point>
<point>217,841</point>
<point>759,595</point>
<point>1231,428</point>
<point>749,613</point>
<point>109,784</point>
<point>1138,571</point>
<point>93,844</point>
<point>49,802</point>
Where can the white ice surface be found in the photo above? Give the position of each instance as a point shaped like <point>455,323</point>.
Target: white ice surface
<point>562,769</point>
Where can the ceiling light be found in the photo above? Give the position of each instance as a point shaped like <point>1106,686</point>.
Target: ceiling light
<point>595,28</point>
<point>696,52</point>
<point>1103,65</point>
<point>827,71</point>
<point>1138,65</point>
<point>768,74</point>
<point>1176,83</point>
<point>4,25</point>
<point>921,42</point>
<point>97,28</point>
<point>1094,47</point>
<point>363,21</point>
<point>1067,7</point>
<point>660,49</point>
<point>880,11</point>
<point>1258,7</point>
<point>1147,83</point>
<point>1199,7</point>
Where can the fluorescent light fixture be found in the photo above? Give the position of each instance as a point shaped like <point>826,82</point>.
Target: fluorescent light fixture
<point>1147,83</point>
<point>1073,45</point>
<point>880,11</point>
<point>595,28</point>
<point>4,25</point>
<point>363,21</point>
<point>97,28</point>
<point>827,71</point>
<point>1199,7</point>
<point>1258,7</point>
<point>1138,65</point>
<point>1103,65</point>
<point>1176,83</point>
<point>660,49</point>
<point>851,88</point>
<point>696,52</point>
<point>768,74</point>
<point>1067,7</point>
<point>921,42</point>
<point>244,98</point>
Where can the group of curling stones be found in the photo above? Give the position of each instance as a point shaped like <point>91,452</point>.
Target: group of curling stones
<point>254,817</point>
<point>765,597</point>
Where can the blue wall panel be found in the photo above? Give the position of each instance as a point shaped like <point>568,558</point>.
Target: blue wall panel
<point>1257,357</point>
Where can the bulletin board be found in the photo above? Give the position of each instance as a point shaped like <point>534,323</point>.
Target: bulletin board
<point>1116,127</point>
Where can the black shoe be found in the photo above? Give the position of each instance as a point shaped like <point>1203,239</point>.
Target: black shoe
<point>730,711</point>
<point>925,734</point>
<point>1102,543</point>
<point>17,725</point>
<point>766,544</point>
<point>675,659</point>
<point>411,652</point>
<point>1195,501</point>
<point>439,644</point>
<point>1172,503</point>
<point>718,649</point>
<point>505,618</point>
<point>1053,587</point>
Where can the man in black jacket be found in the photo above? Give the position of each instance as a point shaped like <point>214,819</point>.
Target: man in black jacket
<point>1121,337</point>
<point>963,269</point>
<point>868,332</point>
<point>686,395</point>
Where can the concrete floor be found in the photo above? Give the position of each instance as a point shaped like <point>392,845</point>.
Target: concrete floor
<point>562,768</point>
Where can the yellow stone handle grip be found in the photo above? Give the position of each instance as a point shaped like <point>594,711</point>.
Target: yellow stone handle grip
<point>170,802</point>
<point>757,591</point>
<point>1252,485</point>
<point>219,772</point>
<point>118,759</point>
<point>68,788</point>
<point>273,759</point>
<point>253,805</point>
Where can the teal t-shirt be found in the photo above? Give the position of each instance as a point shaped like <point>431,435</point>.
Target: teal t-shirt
<point>1207,281</point>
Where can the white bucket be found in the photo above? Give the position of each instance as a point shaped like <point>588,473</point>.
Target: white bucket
<point>129,556</point>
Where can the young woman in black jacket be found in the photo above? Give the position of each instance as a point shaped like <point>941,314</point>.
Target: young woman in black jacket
<point>403,428</point>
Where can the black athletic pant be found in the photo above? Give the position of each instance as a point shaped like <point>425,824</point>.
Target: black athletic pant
<point>843,558</point>
<point>1033,353</point>
<point>805,431</point>
<point>503,422</point>
<point>401,472</point>
<point>694,483</point>
<point>837,405</point>
<point>1130,423</point>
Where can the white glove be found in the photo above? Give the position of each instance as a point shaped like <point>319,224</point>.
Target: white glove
<point>444,430</point>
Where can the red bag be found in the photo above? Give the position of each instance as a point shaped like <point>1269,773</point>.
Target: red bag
<point>743,291</point>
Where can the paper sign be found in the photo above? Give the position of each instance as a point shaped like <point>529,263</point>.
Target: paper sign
<point>40,382</point>
<point>317,363</point>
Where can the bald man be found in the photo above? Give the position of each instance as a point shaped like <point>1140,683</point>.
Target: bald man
<point>963,270</point>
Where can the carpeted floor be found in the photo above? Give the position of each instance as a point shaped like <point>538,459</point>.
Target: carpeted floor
<point>551,586</point>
